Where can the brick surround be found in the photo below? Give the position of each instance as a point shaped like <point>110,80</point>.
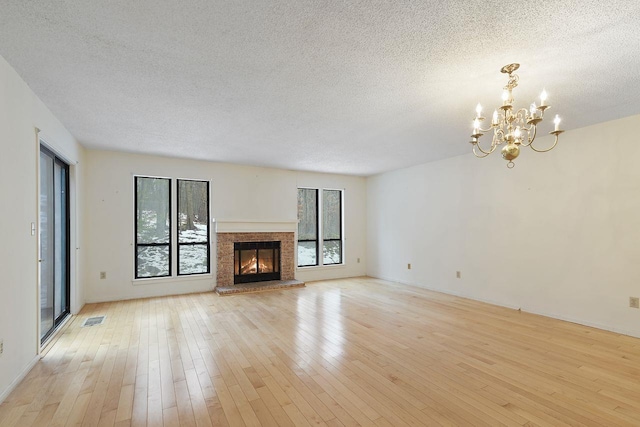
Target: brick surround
<point>225,253</point>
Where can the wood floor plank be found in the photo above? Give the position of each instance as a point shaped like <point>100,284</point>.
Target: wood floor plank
<point>170,417</point>
<point>45,416</point>
<point>77,412</point>
<point>125,403</point>
<point>140,398</point>
<point>279,415</point>
<point>13,415</point>
<point>350,352</point>
<point>183,401</point>
<point>108,419</point>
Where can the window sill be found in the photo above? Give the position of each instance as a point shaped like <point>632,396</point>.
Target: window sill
<point>168,279</point>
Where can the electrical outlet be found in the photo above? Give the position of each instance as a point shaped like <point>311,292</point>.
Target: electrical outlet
<point>358,260</point>
<point>634,302</point>
<point>457,274</point>
<point>408,266</point>
<point>1,346</point>
<point>103,275</point>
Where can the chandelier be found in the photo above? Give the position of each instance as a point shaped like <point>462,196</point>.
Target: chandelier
<point>512,127</point>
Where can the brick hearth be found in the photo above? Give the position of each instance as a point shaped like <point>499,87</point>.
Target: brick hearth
<point>225,253</point>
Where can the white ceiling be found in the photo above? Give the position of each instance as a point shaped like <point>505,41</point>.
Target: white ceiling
<point>355,87</point>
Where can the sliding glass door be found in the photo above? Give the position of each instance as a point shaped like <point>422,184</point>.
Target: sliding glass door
<point>54,242</point>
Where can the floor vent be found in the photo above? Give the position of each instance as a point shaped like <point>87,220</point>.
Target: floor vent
<point>93,321</point>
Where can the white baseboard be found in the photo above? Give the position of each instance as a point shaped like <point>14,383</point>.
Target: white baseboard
<point>583,322</point>
<point>160,294</point>
<point>19,378</point>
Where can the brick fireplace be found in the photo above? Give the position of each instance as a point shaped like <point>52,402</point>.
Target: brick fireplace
<point>225,252</point>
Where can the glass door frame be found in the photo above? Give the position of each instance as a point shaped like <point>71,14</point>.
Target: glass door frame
<point>65,305</point>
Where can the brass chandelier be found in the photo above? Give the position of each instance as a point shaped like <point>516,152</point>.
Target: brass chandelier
<point>512,127</point>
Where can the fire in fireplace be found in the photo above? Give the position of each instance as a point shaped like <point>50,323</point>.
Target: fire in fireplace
<point>256,261</point>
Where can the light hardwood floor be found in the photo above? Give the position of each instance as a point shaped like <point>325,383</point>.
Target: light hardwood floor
<point>345,352</point>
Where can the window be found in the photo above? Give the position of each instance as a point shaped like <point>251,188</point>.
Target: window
<point>153,227</point>
<point>193,227</point>
<point>154,247</point>
<point>312,205</point>
<point>331,227</point>
<point>307,227</point>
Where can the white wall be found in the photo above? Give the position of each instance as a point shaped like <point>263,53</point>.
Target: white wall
<point>20,112</point>
<point>238,193</point>
<point>557,235</point>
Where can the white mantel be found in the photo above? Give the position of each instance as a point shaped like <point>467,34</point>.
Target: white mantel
<point>252,226</point>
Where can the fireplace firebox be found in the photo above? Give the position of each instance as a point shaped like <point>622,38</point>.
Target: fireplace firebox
<point>256,261</point>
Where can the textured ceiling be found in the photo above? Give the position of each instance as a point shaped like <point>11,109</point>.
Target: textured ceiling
<point>332,86</point>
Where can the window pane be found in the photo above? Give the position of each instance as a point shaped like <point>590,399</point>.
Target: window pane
<point>153,203</point>
<point>193,227</point>
<point>153,261</point>
<point>307,214</point>
<point>47,242</point>
<point>307,254</point>
<point>193,211</point>
<point>331,214</point>
<point>194,259</point>
<point>332,252</point>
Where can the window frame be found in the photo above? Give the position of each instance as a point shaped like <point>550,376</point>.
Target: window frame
<point>340,240</point>
<point>135,233</point>
<point>208,242</point>
<point>319,226</point>
<point>317,239</point>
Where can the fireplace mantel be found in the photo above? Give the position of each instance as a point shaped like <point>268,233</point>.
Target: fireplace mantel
<point>254,226</point>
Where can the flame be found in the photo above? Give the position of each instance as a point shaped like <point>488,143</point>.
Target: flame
<point>252,267</point>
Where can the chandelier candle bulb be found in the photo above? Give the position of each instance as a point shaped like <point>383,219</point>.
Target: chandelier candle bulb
<point>556,122</point>
<point>478,111</point>
<point>495,118</point>
<point>543,98</point>
<point>533,110</point>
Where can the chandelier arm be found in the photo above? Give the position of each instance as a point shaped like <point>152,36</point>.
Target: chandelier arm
<point>542,110</point>
<point>548,149</point>
<point>480,156</point>
<point>531,138</point>
<point>484,152</point>
<point>491,149</point>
